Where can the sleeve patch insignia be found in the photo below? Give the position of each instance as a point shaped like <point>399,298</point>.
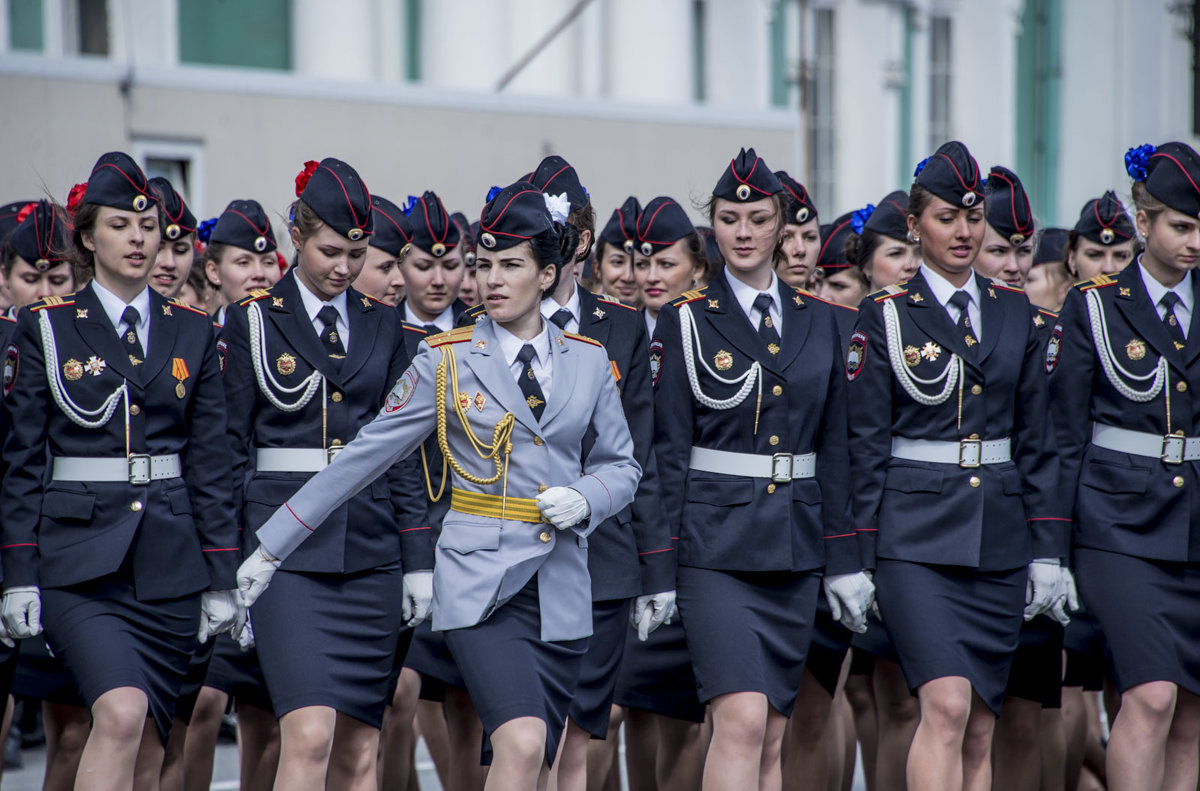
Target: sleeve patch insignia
<point>11,358</point>
<point>656,354</point>
<point>1052,348</point>
<point>402,393</point>
<point>856,355</point>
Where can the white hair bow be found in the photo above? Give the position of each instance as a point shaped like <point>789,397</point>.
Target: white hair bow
<point>558,206</point>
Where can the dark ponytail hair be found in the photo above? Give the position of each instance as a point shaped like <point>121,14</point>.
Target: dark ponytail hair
<point>555,247</point>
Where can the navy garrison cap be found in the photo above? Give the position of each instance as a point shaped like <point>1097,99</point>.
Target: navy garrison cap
<point>333,190</point>
<point>952,174</point>
<point>747,179</point>
<point>392,232</point>
<point>119,183</point>
<point>621,228</point>
<point>1008,209</point>
<point>513,215</point>
<point>245,225</point>
<point>661,224</point>
<point>1104,220</point>
<point>801,208</point>
<point>42,238</point>
<point>179,220</point>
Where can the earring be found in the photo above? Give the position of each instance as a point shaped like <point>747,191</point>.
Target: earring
<point>913,238</point>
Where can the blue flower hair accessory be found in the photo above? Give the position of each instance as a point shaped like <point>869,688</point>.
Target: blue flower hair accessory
<point>493,192</point>
<point>204,232</point>
<point>1137,159</point>
<point>412,201</point>
<point>859,220</point>
<point>920,167</point>
<point>983,185</point>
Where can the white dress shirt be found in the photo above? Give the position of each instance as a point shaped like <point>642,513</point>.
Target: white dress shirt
<point>114,306</point>
<point>1182,289</point>
<point>313,305</point>
<point>943,289</point>
<point>542,362</point>
<point>550,307</point>
<point>745,296</point>
<point>444,321</point>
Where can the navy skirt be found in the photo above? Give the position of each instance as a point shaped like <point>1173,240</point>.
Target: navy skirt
<point>748,631</point>
<point>197,671</point>
<point>592,704</point>
<point>511,672</point>
<point>330,640</point>
<point>430,656</point>
<point>238,674</point>
<point>874,642</point>
<point>41,675</point>
<point>1037,667</point>
<point>1086,655</point>
<point>830,642</point>
<point>1149,612</point>
<point>656,676</point>
<point>107,639</point>
<point>953,621</point>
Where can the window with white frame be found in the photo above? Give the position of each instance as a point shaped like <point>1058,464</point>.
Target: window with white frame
<point>940,75</point>
<point>179,161</point>
<point>821,131</point>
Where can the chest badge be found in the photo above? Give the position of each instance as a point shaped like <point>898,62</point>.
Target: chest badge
<point>723,360</point>
<point>598,313</point>
<point>81,313</point>
<point>931,351</point>
<point>916,297</point>
<point>773,348</point>
<point>95,366</point>
<point>166,310</point>
<point>73,370</point>
<point>479,401</point>
<point>1124,292</point>
<point>714,304</point>
<point>277,302</point>
<point>912,356</point>
<point>464,400</point>
<point>285,364</point>
<point>179,370</point>
<point>1136,349</point>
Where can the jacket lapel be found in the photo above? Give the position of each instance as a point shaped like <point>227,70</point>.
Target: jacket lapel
<point>722,311</point>
<point>364,325</point>
<point>286,310</point>
<point>593,318</point>
<point>564,374</point>
<point>490,368</point>
<point>100,335</point>
<point>994,316</point>
<point>1136,306</point>
<point>931,317</point>
<point>797,321</point>
<point>163,329</point>
<point>1192,350</point>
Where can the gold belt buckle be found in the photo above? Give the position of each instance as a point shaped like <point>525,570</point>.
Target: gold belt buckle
<point>139,469</point>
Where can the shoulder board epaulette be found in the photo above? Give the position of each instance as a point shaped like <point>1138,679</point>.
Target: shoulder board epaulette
<point>474,310</point>
<point>1099,281</point>
<point>810,295</point>
<point>688,296</point>
<point>218,326</point>
<point>457,335</point>
<point>583,338</point>
<point>255,296</point>
<point>8,319</point>
<point>998,283</point>
<point>414,328</point>
<point>53,302</point>
<point>616,303</point>
<point>178,303</point>
<point>889,292</point>
<point>1048,314</point>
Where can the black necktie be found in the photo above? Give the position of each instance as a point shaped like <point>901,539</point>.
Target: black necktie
<point>1174,328</point>
<point>132,345</point>
<point>330,340</point>
<point>561,317</point>
<point>528,382</point>
<point>766,325</point>
<point>961,299</point>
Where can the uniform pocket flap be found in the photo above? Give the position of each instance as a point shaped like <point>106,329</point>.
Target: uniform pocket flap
<point>713,490</point>
<point>914,479</point>
<point>1010,481</point>
<point>1114,478</point>
<point>180,499</point>
<point>806,491</point>
<point>380,489</point>
<point>68,505</point>
<point>463,537</point>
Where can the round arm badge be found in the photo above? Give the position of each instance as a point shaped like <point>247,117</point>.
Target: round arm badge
<point>856,355</point>
<point>11,358</point>
<point>1052,348</point>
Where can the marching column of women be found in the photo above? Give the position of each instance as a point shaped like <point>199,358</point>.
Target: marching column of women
<point>882,503</point>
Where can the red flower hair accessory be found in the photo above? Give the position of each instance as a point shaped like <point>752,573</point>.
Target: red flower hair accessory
<point>24,212</point>
<point>75,198</point>
<point>303,176</point>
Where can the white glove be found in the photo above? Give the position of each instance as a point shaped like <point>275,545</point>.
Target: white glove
<point>418,597</point>
<point>652,611</point>
<point>1043,589</point>
<point>849,597</point>
<point>22,611</point>
<point>245,640</point>
<point>1069,599</point>
<point>255,574</point>
<point>220,611</point>
<point>563,507</point>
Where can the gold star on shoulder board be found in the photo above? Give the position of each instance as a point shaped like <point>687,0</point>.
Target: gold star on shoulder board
<point>81,313</point>
<point>916,298</point>
<point>598,313</point>
<point>713,303</point>
<point>277,302</point>
<point>166,310</point>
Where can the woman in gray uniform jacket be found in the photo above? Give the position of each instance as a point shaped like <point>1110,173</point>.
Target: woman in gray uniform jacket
<point>511,399</point>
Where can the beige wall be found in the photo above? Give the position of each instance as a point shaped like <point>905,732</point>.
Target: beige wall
<point>255,132</point>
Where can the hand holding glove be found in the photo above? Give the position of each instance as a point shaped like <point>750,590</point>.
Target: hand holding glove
<point>563,507</point>
<point>1068,601</point>
<point>849,597</point>
<point>418,597</point>
<point>1042,589</point>
<point>220,611</point>
<point>652,611</point>
<point>21,611</point>
<point>255,574</point>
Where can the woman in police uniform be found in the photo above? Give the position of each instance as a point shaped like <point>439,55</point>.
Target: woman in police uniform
<point>750,415</point>
<point>241,253</point>
<point>512,594</point>
<point>131,543</point>
<point>1122,363</point>
<point>433,267</point>
<point>954,471</point>
<point>796,260</point>
<point>307,364</point>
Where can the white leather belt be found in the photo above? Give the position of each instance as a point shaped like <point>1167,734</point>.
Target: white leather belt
<point>969,453</point>
<point>1172,448</point>
<point>295,459</point>
<point>138,468</point>
<point>779,467</point>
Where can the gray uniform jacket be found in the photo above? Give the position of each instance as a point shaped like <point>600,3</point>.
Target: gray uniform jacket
<point>483,561</point>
